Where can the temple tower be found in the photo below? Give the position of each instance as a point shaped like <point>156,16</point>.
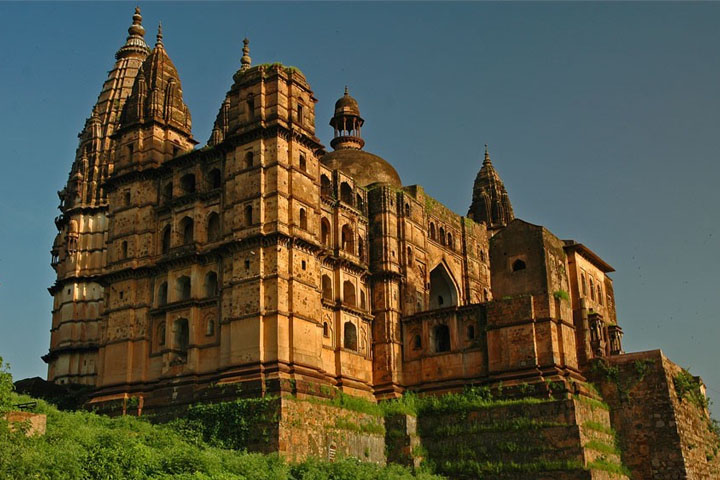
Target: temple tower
<point>155,127</point>
<point>79,250</point>
<point>490,201</point>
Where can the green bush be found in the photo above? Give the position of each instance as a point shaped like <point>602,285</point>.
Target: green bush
<point>6,387</point>
<point>84,446</point>
<point>687,388</point>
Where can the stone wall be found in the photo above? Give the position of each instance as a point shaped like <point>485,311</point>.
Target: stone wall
<point>663,436</point>
<point>558,439</point>
<point>313,429</point>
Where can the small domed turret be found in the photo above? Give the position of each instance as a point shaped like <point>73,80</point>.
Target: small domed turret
<point>347,123</point>
<point>349,155</point>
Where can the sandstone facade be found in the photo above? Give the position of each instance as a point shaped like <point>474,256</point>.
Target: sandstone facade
<point>263,261</point>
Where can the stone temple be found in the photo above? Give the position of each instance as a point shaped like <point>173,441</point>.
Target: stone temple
<point>264,261</point>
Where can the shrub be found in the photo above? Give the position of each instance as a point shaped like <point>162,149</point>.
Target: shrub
<point>688,388</point>
<point>6,387</point>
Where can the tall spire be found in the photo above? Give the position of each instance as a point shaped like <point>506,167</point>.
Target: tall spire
<point>245,60</point>
<point>157,94</point>
<point>135,42</point>
<point>490,201</point>
<point>159,37</point>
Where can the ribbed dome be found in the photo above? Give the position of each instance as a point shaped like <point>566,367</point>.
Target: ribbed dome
<point>364,167</point>
<point>347,105</point>
<point>349,156</point>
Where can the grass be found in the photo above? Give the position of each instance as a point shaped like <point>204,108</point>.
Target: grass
<point>85,445</point>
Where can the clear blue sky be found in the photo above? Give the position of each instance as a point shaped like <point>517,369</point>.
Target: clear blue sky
<point>602,119</point>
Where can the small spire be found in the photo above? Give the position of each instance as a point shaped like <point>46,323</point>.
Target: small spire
<point>135,42</point>
<point>159,41</point>
<point>346,90</point>
<point>136,28</point>
<point>245,60</point>
<point>487,155</point>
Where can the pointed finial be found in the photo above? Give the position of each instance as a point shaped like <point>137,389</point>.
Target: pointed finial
<point>135,42</point>
<point>245,60</point>
<point>487,155</point>
<point>136,28</point>
<point>159,35</point>
<point>346,90</point>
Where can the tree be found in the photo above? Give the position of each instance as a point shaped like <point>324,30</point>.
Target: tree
<point>6,387</point>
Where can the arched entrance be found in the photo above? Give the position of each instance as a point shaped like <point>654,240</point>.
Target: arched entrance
<point>442,288</point>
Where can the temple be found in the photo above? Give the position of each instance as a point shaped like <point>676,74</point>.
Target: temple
<point>264,261</point>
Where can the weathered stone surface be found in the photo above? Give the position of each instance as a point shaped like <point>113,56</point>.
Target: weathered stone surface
<point>30,423</point>
<point>261,264</point>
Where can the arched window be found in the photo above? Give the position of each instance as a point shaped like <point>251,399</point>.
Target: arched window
<point>126,199</point>
<point>214,178</point>
<point>123,250</point>
<point>213,227</point>
<point>441,337</point>
<point>211,284</point>
<point>592,289</point>
<point>470,332</point>
<point>362,299</point>
<point>518,265</point>
<point>160,334</point>
<point>583,284</point>
<point>250,104</point>
<point>187,227</point>
<point>183,288</point>
<point>409,256</point>
<point>187,183</point>
<point>325,186</point>
<point>299,113</point>
<point>326,330</point>
<point>599,294</point>
<point>165,245</point>
<point>181,335</point>
<point>361,247</point>
<point>162,294</point>
<point>249,160</point>
<point>417,342</point>
<point>346,193</point>
<point>442,289</point>
<point>450,241</point>
<point>303,162</point>
<point>209,326</point>
<point>482,255</point>
<point>325,233</point>
<point>347,239</point>
<point>349,293</point>
<point>350,335</point>
<point>303,219</point>
<point>248,215</point>
<point>407,209</point>
<point>442,235</point>
<point>168,192</point>
<point>327,288</point>
<point>432,231</point>
<point>359,202</point>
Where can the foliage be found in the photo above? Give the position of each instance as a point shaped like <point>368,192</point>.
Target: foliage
<point>84,445</point>
<point>561,295</point>
<point>473,398</point>
<point>6,387</point>
<point>688,388</point>
<point>232,425</point>
<point>607,466</point>
<point>602,447</point>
